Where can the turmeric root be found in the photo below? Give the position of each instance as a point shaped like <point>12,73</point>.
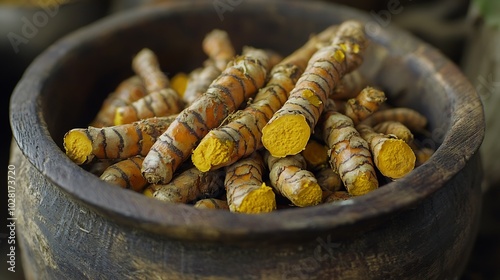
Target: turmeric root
<point>246,193</point>
<point>327,179</point>
<point>395,128</point>
<point>392,156</point>
<point>188,186</point>
<point>364,104</point>
<point>218,47</point>
<point>211,203</point>
<point>145,64</point>
<point>291,179</point>
<point>350,155</point>
<point>422,154</point>
<point>350,85</point>
<point>179,82</point>
<point>337,196</point>
<point>83,145</point>
<point>241,136</point>
<point>128,91</point>
<point>240,81</point>
<point>126,174</point>
<point>315,154</point>
<point>198,82</point>
<point>157,104</point>
<point>290,127</point>
<point>409,117</point>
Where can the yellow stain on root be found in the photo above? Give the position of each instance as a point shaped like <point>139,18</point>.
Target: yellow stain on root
<point>395,158</point>
<point>310,194</point>
<point>355,48</point>
<point>363,184</point>
<point>287,135</point>
<point>261,200</point>
<point>211,152</point>
<point>78,146</point>
<point>118,119</point>
<point>311,97</point>
<point>179,83</point>
<point>339,56</point>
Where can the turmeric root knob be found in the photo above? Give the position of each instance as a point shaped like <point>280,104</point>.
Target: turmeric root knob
<point>211,152</point>
<point>287,135</point>
<point>78,146</point>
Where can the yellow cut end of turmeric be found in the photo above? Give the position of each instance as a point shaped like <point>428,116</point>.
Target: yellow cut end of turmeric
<point>311,97</point>
<point>355,48</point>
<point>287,135</point>
<point>78,146</point>
<point>315,154</point>
<point>395,158</point>
<point>363,184</point>
<point>179,83</point>
<point>261,200</point>
<point>310,194</point>
<point>211,152</point>
<point>148,192</point>
<point>339,56</point>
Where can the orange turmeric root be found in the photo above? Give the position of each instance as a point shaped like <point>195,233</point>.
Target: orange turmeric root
<point>291,126</point>
<point>393,157</point>
<point>211,203</point>
<point>241,136</point>
<point>179,83</point>
<point>188,186</point>
<point>364,104</point>
<point>83,145</point>
<point>327,179</point>
<point>395,128</point>
<point>350,155</point>
<point>126,174</point>
<point>246,193</point>
<point>409,117</point>
<point>198,82</point>
<point>156,104</point>
<point>128,91</point>
<point>315,154</point>
<point>146,65</point>
<point>240,81</point>
<point>291,179</point>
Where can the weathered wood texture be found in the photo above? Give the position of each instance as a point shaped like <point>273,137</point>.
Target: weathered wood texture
<point>72,225</point>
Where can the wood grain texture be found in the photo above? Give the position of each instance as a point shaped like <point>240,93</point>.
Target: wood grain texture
<point>420,227</point>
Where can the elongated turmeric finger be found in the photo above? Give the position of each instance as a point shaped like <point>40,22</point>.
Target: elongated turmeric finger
<point>327,179</point>
<point>188,186</point>
<point>350,85</point>
<point>146,65</point>
<point>126,174</point>
<point>393,157</point>
<point>291,126</point>
<point>211,203</point>
<point>240,81</point>
<point>291,179</point>
<point>241,136</point>
<point>246,193</point>
<point>198,82</point>
<point>350,156</point>
<point>156,104</point>
<point>364,104</point>
<point>409,117</point>
<point>83,145</point>
<point>395,128</point>
<point>219,48</point>
<point>128,91</point>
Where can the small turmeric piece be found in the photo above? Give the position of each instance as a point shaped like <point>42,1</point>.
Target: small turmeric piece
<point>289,176</point>
<point>212,203</point>
<point>288,131</point>
<point>393,157</point>
<point>83,145</point>
<point>240,81</point>
<point>327,179</point>
<point>156,104</point>
<point>364,104</point>
<point>336,196</point>
<point>422,154</point>
<point>179,82</point>
<point>246,193</point>
<point>315,154</point>
<point>219,48</point>
<point>409,117</point>
<point>350,156</point>
<point>128,91</point>
<point>188,186</point>
<point>242,134</point>
<point>395,128</point>
<point>145,64</point>
<point>126,174</point>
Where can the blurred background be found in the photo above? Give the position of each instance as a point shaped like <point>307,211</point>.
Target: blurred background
<point>467,31</point>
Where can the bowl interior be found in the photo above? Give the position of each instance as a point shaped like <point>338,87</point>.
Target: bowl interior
<point>65,86</point>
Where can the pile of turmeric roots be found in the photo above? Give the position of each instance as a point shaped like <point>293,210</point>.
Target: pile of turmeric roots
<point>253,132</point>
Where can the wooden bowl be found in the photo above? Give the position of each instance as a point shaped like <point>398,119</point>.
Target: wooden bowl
<point>72,225</point>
